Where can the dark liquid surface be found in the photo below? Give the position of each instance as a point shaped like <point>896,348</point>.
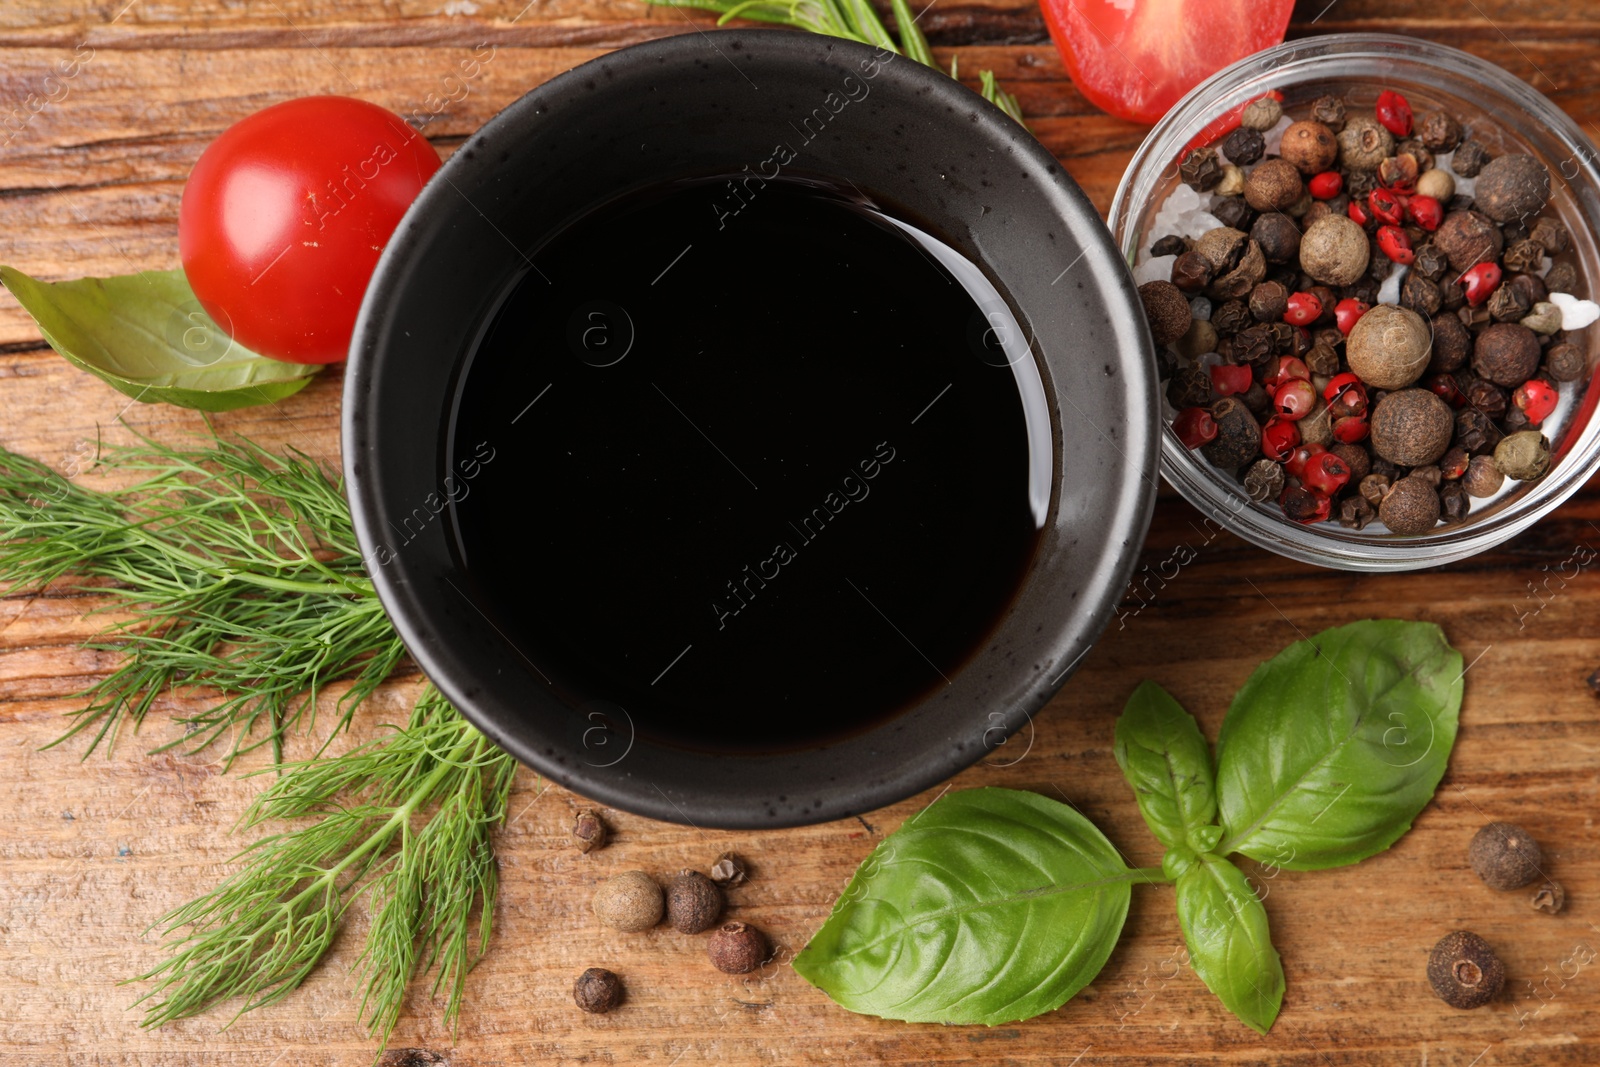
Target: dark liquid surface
<point>762,479</point>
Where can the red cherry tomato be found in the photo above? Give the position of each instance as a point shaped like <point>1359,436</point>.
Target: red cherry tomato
<point>1135,60</point>
<point>285,214</point>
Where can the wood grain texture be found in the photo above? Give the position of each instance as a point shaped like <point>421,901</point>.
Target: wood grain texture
<point>93,851</point>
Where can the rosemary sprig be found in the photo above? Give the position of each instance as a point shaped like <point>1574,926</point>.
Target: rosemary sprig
<point>407,818</point>
<point>854,20</point>
<point>239,572</point>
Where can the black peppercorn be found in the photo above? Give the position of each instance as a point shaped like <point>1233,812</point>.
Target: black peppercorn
<point>1419,294</point>
<point>1508,304</point>
<point>1417,151</point>
<point>1525,255</point>
<point>1238,439</point>
<point>1254,345</point>
<point>1549,898</point>
<point>597,991</point>
<point>1278,237</point>
<point>1243,146</point>
<point>1192,272</point>
<point>1201,169</point>
<point>1375,486</point>
<point>1170,245</point>
<point>730,870</point>
<point>1505,856</point>
<point>1551,235</point>
<point>1565,362</point>
<point>737,948</point>
<point>1329,110</point>
<point>1438,130</point>
<point>1263,481</point>
<point>1233,212</point>
<point>1239,281</point>
<point>1452,344</point>
<point>1506,353</point>
<point>1476,432</point>
<point>1190,387</point>
<point>1454,504</point>
<point>1166,309</point>
<point>1451,295</point>
<point>1483,478</point>
<point>1529,287</point>
<point>1355,512</point>
<point>1513,420</point>
<point>588,832</point>
<point>1487,397</point>
<point>1430,262</point>
<point>1464,971</point>
<point>1230,317</point>
<point>1470,158</point>
<point>1268,301</point>
<point>1453,464</point>
<point>1562,278</point>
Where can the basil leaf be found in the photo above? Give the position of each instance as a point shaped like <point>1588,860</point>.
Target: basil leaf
<point>1334,745</point>
<point>1166,761</point>
<point>1225,927</point>
<point>147,336</point>
<point>989,906</point>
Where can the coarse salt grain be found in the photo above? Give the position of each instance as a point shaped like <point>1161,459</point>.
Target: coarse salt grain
<point>1273,138</point>
<point>1389,291</point>
<point>1154,269</point>
<point>1575,313</point>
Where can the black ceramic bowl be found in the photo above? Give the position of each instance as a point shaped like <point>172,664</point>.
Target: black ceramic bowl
<point>705,103</point>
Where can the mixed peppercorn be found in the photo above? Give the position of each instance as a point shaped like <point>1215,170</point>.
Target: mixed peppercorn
<point>1281,363</point>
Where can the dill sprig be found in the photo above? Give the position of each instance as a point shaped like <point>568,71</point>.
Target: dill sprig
<point>406,818</point>
<point>239,572</point>
<point>854,20</point>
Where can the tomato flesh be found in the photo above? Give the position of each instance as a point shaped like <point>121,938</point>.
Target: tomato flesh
<point>284,217</point>
<point>1135,58</point>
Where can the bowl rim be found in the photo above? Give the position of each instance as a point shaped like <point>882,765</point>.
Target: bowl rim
<point>1123,534</point>
<point>1229,506</point>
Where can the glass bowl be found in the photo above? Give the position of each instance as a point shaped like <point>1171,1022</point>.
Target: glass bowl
<point>1500,111</point>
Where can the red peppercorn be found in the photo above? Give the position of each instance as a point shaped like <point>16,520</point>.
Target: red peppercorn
<point>1279,437</point>
<point>1303,310</point>
<point>1425,211</point>
<point>1326,473</point>
<point>1387,206</point>
<point>1195,427</point>
<point>1285,369</point>
<point>1350,429</point>
<point>1394,243</point>
<point>1228,380</point>
<point>1445,387</point>
<point>1346,395</point>
<point>1294,465</point>
<point>1536,399</point>
<point>1305,505</point>
<point>1295,399</point>
<point>1357,213</point>
<point>1394,111</point>
<point>1327,185</point>
<point>1347,312</point>
<point>1479,281</point>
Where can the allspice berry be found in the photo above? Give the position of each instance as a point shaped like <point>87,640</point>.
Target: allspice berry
<point>1410,507</point>
<point>597,991</point>
<point>1389,347</point>
<point>1412,427</point>
<point>1334,250</point>
<point>588,832</point>
<point>631,901</point>
<point>1452,344</point>
<point>1469,238</point>
<point>1549,898</point>
<point>1364,143</point>
<point>1506,353</point>
<point>1524,455</point>
<point>1483,478</point>
<point>1510,187</point>
<point>1310,146</point>
<point>1505,856</point>
<point>1464,971</point>
<point>737,948</point>
<point>1565,362</point>
<point>1273,185</point>
<point>1167,311</point>
<point>694,903</point>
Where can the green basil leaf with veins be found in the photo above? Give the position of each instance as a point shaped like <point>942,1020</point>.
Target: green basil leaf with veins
<point>1225,927</point>
<point>989,906</point>
<point>1335,745</point>
<point>147,336</point>
<point>1166,761</point>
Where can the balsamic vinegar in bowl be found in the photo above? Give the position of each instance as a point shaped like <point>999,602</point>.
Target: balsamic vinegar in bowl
<point>753,464</point>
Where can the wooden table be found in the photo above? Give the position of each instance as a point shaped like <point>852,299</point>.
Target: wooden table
<point>93,851</point>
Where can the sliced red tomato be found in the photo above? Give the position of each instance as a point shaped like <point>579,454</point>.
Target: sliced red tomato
<point>1135,58</point>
